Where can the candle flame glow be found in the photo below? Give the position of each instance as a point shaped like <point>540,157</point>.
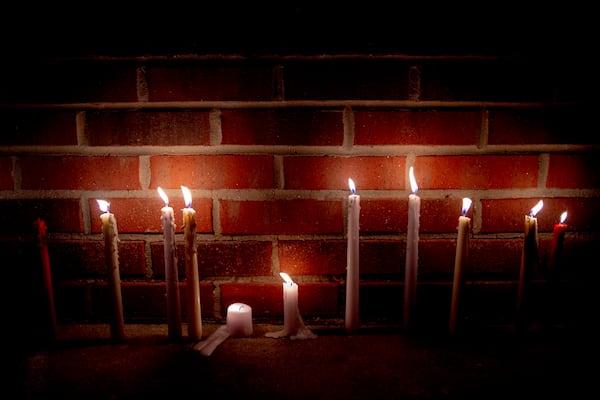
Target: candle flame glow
<point>466,204</point>
<point>163,195</point>
<point>104,205</point>
<point>351,185</point>
<point>286,278</point>
<point>563,217</point>
<point>187,196</point>
<point>537,208</point>
<point>413,181</point>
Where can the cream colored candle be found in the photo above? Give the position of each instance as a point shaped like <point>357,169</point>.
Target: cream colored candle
<point>412,252</point>
<point>111,253</point>
<point>352,269</point>
<point>462,248</point>
<point>529,258</point>
<point>171,276</point>
<point>191,268</point>
<point>293,326</point>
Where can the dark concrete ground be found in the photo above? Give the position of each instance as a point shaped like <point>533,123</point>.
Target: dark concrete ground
<point>374,363</point>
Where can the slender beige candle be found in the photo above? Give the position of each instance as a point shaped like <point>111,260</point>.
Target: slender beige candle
<point>412,252</point>
<point>171,276</point>
<point>191,268</point>
<point>111,240</point>
<point>529,258</point>
<point>462,248</point>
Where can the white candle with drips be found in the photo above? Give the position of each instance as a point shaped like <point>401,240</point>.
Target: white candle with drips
<point>192,279</point>
<point>293,326</point>
<point>111,253</point>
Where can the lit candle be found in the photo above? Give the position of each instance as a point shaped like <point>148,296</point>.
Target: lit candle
<point>529,258</point>
<point>412,251</point>
<point>352,269</point>
<point>171,277</point>
<point>191,268</point>
<point>462,248</point>
<point>558,236</point>
<point>239,320</point>
<point>111,254</point>
<point>293,326</point>
<point>42,242</point>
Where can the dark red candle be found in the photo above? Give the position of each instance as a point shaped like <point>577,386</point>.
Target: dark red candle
<point>557,243</point>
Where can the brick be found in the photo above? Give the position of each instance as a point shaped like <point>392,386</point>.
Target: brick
<point>38,127</point>
<point>71,82</point>
<point>313,298</point>
<point>60,215</point>
<point>317,173</point>
<point>383,215</point>
<point>211,81</point>
<point>538,126</point>
<point>141,215</point>
<point>381,258</point>
<point>494,259</point>
<point>428,127</point>
<point>346,79</point>
<point>476,172</point>
<point>6,174</point>
<point>573,171</point>
<point>506,215</point>
<point>485,80</point>
<point>292,127</point>
<point>157,250</point>
<point>92,172</point>
<point>212,172</point>
<point>148,128</point>
<point>312,257</point>
<point>76,259</point>
<point>291,217</point>
<point>231,259</point>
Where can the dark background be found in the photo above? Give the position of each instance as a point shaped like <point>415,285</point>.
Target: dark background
<point>279,28</point>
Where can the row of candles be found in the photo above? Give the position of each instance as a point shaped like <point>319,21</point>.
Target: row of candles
<point>293,325</point>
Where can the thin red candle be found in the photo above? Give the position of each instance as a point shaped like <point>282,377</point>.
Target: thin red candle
<point>558,237</point>
<point>42,242</point>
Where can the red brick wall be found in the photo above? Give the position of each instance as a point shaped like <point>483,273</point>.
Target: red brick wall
<point>267,145</point>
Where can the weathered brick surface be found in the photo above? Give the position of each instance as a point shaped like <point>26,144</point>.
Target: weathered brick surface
<point>270,180</point>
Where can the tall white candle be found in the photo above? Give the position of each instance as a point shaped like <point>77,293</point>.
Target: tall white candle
<point>412,251</point>
<point>352,268</point>
<point>293,326</point>
<point>462,248</point>
<point>111,253</point>
<point>529,258</point>
<point>171,277</point>
<point>191,268</point>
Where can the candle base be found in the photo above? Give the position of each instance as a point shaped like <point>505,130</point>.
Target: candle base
<point>301,333</point>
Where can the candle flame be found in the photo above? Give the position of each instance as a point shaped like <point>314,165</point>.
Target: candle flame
<point>104,205</point>
<point>537,208</point>
<point>351,185</point>
<point>286,278</point>
<point>413,181</point>
<point>466,204</point>
<point>563,217</point>
<point>187,196</point>
<point>163,195</point>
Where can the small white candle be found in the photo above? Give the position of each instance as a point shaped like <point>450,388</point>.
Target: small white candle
<point>462,248</point>
<point>293,326</point>
<point>239,320</point>
<point>111,252</point>
<point>412,251</point>
<point>529,258</point>
<point>191,268</point>
<point>352,269</point>
<point>171,277</point>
